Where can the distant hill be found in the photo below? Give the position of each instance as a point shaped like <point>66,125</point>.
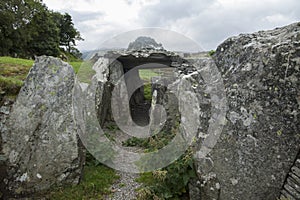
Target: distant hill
<point>144,42</point>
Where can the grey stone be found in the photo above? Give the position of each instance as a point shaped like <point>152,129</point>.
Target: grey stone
<point>194,189</point>
<point>40,140</point>
<point>260,140</point>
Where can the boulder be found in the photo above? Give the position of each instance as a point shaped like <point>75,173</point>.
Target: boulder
<point>40,141</point>
<point>260,140</point>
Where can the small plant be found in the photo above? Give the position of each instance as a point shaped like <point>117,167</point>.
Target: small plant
<point>110,137</point>
<point>211,52</point>
<point>112,127</point>
<point>170,182</point>
<point>153,143</point>
<point>122,185</point>
<point>135,142</point>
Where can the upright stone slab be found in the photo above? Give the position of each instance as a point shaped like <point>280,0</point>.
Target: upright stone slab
<point>40,138</point>
<point>260,140</point>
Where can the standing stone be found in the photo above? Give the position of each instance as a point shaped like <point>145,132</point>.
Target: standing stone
<point>40,138</point>
<point>260,140</point>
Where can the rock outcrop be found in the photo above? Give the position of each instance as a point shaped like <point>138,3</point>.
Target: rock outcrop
<point>260,140</point>
<point>40,141</point>
<point>144,42</point>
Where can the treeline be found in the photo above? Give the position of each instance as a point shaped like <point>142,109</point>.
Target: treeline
<point>28,28</point>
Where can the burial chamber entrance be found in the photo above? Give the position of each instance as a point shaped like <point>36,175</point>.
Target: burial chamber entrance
<point>145,71</point>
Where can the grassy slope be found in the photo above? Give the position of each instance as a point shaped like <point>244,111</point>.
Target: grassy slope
<point>13,72</point>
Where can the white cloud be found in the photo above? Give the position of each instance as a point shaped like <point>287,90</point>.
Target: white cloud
<point>208,22</point>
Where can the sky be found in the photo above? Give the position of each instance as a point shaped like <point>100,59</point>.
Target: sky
<point>109,23</point>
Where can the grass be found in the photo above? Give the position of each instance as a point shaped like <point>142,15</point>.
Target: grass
<point>148,92</point>
<point>95,185</point>
<point>84,72</point>
<point>13,72</point>
<point>76,65</point>
<point>16,61</point>
<point>147,74</point>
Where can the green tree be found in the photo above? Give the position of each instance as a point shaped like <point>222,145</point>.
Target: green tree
<point>6,28</point>
<point>44,35</point>
<point>68,33</point>
<point>28,28</point>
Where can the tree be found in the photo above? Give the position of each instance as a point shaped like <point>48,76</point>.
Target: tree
<point>68,33</point>
<point>44,35</point>
<point>28,28</point>
<point>6,28</point>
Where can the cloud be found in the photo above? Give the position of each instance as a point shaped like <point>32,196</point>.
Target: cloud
<point>211,22</point>
<point>208,22</point>
<point>82,16</point>
<point>168,11</point>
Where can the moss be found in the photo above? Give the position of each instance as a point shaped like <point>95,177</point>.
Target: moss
<point>95,184</point>
<point>54,68</point>
<point>52,93</point>
<point>279,132</point>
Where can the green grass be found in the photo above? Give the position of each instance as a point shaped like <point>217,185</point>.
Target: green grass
<point>85,72</point>
<point>95,185</point>
<point>148,92</point>
<point>13,72</point>
<point>16,61</point>
<point>76,65</point>
<point>146,74</point>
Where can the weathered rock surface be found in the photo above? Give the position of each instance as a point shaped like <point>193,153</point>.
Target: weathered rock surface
<point>260,140</point>
<point>39,138</point>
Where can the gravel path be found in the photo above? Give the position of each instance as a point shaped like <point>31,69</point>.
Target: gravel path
<point>124,188</point>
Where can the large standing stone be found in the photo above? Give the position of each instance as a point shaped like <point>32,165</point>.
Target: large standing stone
<point>40,138</point>
<point>260,140</point>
